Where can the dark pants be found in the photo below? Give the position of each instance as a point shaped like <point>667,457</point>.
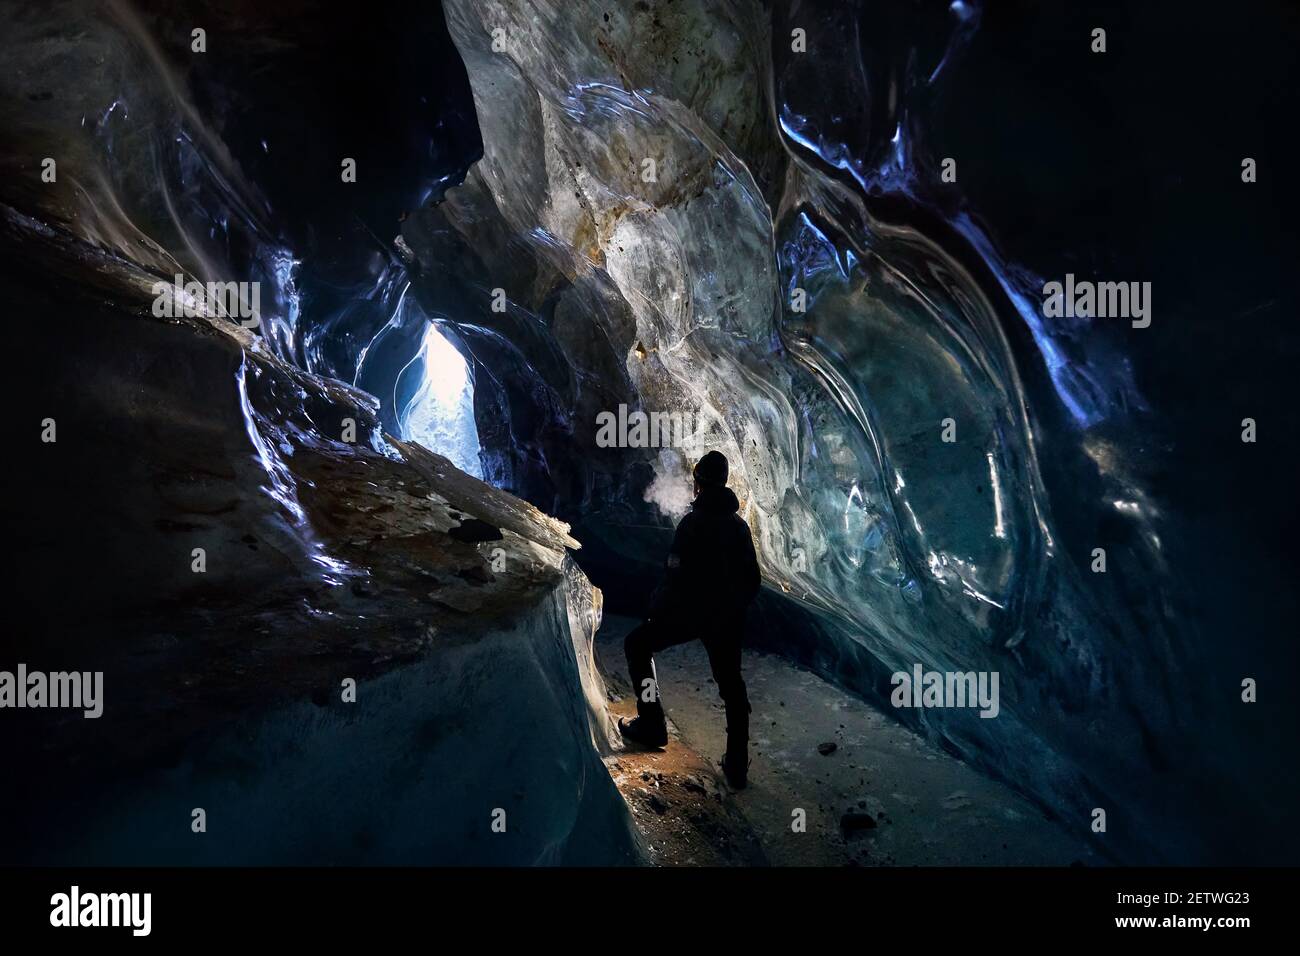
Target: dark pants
<point>721,640</point>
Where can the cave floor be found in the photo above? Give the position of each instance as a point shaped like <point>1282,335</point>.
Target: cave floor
<point>883,796</point>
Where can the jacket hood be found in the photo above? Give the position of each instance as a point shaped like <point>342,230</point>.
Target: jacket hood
<point>716,498</point>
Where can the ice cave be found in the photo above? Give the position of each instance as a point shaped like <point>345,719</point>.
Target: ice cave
<point>480,225</point>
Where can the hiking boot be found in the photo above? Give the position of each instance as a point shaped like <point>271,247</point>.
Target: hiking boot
<point>644,733</point>
<point>736,770</point>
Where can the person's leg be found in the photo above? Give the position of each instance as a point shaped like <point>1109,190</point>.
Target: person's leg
<point>641,644</point>
<point>724,658</point>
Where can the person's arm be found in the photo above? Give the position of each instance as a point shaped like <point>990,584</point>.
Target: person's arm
<point>751,580</point>
<point>667,595</point>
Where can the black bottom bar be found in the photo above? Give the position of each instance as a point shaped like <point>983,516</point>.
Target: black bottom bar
<point>331,905</point>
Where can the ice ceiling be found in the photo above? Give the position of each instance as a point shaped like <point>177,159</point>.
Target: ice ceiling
<point>682,213</point>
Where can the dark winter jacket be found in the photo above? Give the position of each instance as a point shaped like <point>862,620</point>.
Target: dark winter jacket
<point>712,571</point>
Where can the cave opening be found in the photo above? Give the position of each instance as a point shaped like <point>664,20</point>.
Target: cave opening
<point>440,411</point>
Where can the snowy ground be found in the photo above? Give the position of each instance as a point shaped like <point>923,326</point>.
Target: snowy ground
<point>881,797</point>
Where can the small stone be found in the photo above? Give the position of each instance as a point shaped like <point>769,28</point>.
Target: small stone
<point>658,804</point>
<point>853,821</point>
<point>827,748</point>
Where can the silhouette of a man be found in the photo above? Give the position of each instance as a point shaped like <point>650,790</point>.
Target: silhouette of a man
<point>712,576</point>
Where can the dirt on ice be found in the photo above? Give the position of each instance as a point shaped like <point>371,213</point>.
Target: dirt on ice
<point>833,781</point>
